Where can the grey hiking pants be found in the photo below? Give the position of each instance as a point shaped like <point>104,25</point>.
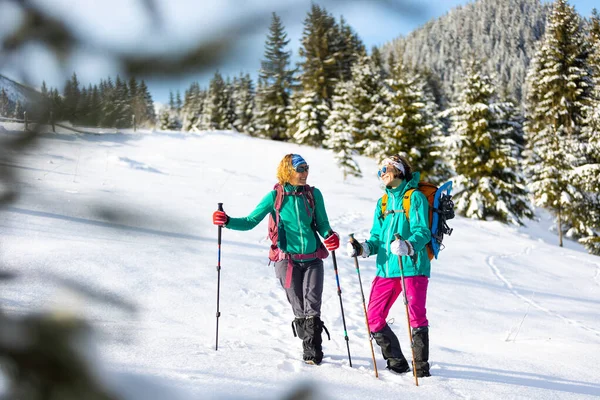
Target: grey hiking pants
<point>306,289</point>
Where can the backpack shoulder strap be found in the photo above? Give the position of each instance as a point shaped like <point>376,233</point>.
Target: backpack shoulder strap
<point>383,205</point>
<point>406,202</point>
<point>278,201</point>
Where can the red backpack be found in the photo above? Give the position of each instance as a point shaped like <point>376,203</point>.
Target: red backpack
<point>275,253</point>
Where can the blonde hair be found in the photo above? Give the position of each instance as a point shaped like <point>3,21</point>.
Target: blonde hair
<point>285,169</point>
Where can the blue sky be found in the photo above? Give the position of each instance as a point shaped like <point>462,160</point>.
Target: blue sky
<point>121,24</point>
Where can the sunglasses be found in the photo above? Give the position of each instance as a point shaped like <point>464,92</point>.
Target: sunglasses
<point>301,168</point>
<point>382,171</point>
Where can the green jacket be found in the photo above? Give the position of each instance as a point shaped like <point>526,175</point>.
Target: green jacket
<point>415,230</point>
<point>298,236</point>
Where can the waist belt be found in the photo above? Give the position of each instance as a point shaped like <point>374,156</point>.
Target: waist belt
<point>290,267</point>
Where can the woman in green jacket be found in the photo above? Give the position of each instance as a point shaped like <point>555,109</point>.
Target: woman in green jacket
<point>397,176</point>
<point>298,212</point>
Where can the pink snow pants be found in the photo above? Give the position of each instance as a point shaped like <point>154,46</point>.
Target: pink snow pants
<point>385,292</point>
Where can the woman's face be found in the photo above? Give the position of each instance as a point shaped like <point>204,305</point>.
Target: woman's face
<point>299,178</point>
<point>387,177</point>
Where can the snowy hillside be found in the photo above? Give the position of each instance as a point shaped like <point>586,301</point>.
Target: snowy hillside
<point>17,92</point>
<point>512,315</point>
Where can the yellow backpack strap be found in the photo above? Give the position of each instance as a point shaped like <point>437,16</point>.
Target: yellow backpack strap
<point>384,200</point>
<point>406,202</point>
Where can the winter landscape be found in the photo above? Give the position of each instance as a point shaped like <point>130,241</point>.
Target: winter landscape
<point>512,315</point>
<point>109,286</point>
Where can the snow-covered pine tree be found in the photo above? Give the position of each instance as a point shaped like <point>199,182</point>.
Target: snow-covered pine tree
<point>367,95</point>
<point>18,111</point>
<point>148,117</point>
<point>308,115</point>
<point>338,131</point>
<point>588,176</point>
<point>275,84</point>
<point>215,105</point>
<point>4,104</point>
<point>319,70</point>
<point>319,74</point>
<point>243,102</point>
<point>559,90</point>
<point>95,106</point>
<point>229,104</point>
<point>108,102</point>
<point>482,153</point>
<point>346,47</point>
<point>122,104</point>
<point>412,128</point>
<point>377,59</point>
<point>71,98</point>
<point>192,107</point>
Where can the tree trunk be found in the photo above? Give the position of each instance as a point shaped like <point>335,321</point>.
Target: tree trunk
<point>559,222</point>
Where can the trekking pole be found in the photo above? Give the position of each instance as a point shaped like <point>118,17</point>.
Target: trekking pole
<point>220,228</point>
<point>339,290</point>
<point>365,310</point>
<point>405,300</point>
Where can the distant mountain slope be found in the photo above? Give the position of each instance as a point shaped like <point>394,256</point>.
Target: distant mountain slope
<point>18,92</point>
<point>501,33</point>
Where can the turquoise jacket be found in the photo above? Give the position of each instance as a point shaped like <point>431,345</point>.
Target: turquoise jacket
<point>298,236</point>
<point>415,230</point>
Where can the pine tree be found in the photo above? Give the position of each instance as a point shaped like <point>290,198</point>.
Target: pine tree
<point>307,124</point>
<point>243,102</point>
<point>276,81</point>
<point>412,128</point>
<point>95,107</point>
<point>588,175</point>
<point>4,104</point>
<point>71,98</point>
<point>338,126</point>
<point>192,107</point>
<point>229,104</point>
<point>483,154</point>
<point>122,104</point>
<point>559,90</point>
<point>367,95</point>
<point>108,100</point>
<point>320,71</point>
<point>346,48</point>
<point>215,105</point>
<point>148,117</point>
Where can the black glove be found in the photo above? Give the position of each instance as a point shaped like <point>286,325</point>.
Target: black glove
<point>353,248</point>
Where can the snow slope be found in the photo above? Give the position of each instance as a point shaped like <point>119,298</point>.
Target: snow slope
<point>17,92</point>
<point>512,315</point>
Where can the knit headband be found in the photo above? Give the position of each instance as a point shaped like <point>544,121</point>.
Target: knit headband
<point>297,160</point>
<point>396,164</point>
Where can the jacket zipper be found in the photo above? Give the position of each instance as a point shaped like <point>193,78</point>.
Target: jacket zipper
<point>302,245</point>
<point>388,243</point>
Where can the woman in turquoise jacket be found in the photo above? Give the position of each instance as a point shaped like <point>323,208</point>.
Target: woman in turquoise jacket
<point>297,249</point>
<point>397,176</point>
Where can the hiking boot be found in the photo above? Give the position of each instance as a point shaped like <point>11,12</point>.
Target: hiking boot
<point>398,366</point>
<point>312,342</point>
<point>421,351</point>
<point>391,351</point>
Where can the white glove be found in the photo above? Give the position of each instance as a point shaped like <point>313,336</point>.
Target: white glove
<point>352,251</point>
<point>402,248</point>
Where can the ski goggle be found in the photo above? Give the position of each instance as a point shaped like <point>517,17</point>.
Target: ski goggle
<point>301,168</point>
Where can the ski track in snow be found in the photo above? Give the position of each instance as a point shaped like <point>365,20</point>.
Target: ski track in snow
<point>491,261</point>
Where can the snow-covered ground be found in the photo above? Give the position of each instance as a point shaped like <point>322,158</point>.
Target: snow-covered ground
<point>512,314</point>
